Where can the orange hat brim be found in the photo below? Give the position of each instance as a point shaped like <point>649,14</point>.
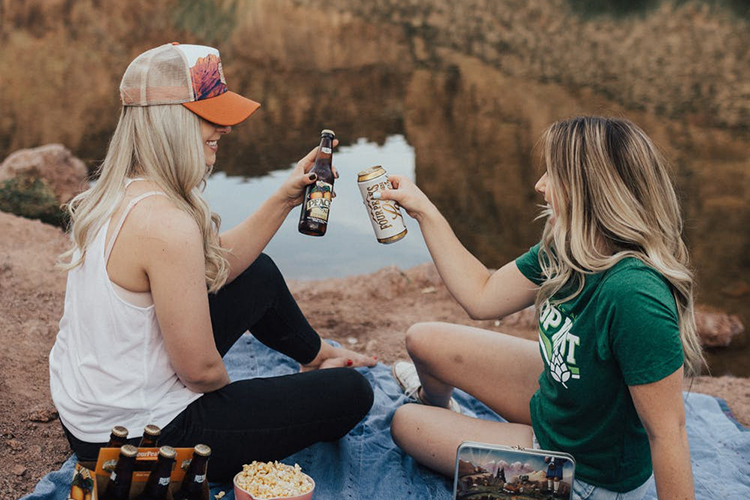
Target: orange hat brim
<point>227,109</point>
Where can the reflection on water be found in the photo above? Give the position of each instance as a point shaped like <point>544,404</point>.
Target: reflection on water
<point>465,130</point>
<point>349,246</point>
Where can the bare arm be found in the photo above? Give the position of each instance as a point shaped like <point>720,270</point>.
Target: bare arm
<point>247,240</point>
<point>175,266</point>
<point>662,412</point>
<point>483,294</point>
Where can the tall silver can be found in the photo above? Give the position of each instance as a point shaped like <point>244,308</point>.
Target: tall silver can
<point>385,215</point>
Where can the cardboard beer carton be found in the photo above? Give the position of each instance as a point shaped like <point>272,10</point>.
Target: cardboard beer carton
<point>90,478</point>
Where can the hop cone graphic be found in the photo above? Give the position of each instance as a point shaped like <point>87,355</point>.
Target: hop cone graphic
<point>559,369</point>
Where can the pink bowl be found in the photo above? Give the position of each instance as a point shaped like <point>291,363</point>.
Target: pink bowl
<point>241,494</point>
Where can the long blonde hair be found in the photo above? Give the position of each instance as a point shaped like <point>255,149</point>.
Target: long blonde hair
<point>613,198</point>
<point>164,145</point>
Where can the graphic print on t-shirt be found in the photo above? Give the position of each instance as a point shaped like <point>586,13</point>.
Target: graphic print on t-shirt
<point>558,344</point>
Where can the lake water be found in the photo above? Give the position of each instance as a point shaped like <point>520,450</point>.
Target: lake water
<point>349,246</point>
<point>465,130</point>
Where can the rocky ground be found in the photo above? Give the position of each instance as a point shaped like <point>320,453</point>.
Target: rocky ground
<point>369,315</point>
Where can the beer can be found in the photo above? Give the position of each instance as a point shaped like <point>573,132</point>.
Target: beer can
<point>385,215</point>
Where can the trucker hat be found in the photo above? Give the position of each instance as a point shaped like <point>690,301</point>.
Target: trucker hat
<point>190,75</point>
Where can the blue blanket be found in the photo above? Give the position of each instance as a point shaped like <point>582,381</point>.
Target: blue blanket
<point>366,464</point>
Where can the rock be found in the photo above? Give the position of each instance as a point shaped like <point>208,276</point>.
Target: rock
<point>18,470</point>
<point>717,329</point>
<point>43,415</point>
<point>53,163</point>
<point>32,197</point>
<point>15,445</point>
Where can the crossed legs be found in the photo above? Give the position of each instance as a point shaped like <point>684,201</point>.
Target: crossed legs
<point>498,369</point>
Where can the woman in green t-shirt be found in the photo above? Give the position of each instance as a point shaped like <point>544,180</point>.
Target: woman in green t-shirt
<point>616,324</point>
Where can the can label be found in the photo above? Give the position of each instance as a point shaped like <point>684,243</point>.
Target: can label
<point>385,215</point>
<point>319,202</point>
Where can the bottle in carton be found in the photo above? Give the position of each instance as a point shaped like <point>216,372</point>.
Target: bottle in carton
<point>192,487</point>
<point>150,437</point>
<point>158,481</point>
<point>118,437</point>
<point>120,480</point>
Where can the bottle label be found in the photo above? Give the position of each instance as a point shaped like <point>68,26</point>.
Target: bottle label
<point>325,150</point>
<point>164,481</point>
<point>319,202</point>
<point>113,476</point>
<point>200,478</point>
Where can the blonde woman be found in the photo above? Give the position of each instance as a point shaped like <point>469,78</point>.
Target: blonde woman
<point>155,296</point>
<point>616,326</point>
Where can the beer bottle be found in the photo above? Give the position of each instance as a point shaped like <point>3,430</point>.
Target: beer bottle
<point>150,437</point>
<point>118,487</point>
<point>118,437</point>
<point>192,487</point>
<point>313,219</point>
<point>158,481</point>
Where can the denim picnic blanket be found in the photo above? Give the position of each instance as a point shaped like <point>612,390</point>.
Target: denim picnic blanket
<point>366,464</point>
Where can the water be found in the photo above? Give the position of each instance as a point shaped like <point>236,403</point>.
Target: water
<point>464,129</point>
<point>349,246</point>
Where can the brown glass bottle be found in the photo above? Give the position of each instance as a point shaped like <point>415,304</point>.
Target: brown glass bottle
<point>192,487</point>
<point>158,481</point>
<point>150,437</point>
<point>118,437</point>
<point>118,487</point>
<point>313,219</point>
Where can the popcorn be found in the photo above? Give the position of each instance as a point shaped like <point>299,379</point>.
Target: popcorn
<point>273,479</point>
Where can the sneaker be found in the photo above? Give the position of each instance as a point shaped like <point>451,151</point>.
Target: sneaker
<point>406,375</point>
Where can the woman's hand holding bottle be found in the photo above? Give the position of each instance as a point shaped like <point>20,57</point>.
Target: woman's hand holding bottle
<point>292,191</point>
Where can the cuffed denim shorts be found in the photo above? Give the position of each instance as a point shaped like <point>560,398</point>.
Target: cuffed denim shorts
<point>585,491</point>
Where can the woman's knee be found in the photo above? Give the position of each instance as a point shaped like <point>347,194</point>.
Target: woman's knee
<point>356,392</point>
<point>418,338</point>
<point>263,264</point>
<point>352,401</point>
<point>262,270</point>
<point>402,424</point>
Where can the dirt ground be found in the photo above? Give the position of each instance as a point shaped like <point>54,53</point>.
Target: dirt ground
<point>369,315</point>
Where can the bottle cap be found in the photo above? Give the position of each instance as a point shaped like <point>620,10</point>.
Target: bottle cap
<point>167,452</point>
<point>327,131</point>
<point>129,451</point>
<point>202,450</point>
<point>152,430</point>
<point>120,431</point>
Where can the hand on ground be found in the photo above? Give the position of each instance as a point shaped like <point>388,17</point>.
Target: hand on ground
<point>337,357</point>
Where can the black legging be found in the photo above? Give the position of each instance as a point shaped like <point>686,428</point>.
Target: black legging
<point>263,418</point>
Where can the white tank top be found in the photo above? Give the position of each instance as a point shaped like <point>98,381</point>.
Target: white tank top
<point>109,365</point>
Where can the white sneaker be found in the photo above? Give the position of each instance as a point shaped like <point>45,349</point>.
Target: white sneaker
<point>406,375</point>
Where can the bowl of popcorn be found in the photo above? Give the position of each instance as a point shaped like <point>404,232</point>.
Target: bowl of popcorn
<point>272,481</point>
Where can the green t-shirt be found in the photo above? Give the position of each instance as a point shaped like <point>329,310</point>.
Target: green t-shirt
<point>621,330</point>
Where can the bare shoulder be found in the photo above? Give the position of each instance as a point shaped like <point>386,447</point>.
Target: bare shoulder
<point>158,222</point>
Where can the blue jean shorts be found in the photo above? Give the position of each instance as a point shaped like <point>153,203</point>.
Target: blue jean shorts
<point>585,491</point>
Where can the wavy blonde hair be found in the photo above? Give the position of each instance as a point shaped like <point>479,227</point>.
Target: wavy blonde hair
<point>613,198</point>
<point>164,145</point>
